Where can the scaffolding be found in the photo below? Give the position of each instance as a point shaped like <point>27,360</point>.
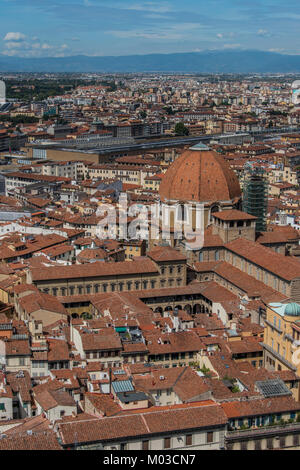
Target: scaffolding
<point>255,196</point>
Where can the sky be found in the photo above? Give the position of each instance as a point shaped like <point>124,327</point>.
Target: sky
<point>58,28</point>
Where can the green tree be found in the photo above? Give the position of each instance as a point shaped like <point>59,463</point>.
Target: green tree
<point>181,129</point>
<point>169,110</point>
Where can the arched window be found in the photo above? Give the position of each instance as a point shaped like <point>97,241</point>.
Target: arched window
<point>181,214</point>
<point>214,209</point>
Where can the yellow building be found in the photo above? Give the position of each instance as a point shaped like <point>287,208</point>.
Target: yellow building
<point>152,182</point>
<point>282,338</point>
<point>134,248</point>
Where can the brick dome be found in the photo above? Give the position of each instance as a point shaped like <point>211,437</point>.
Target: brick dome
<point>199,175</point>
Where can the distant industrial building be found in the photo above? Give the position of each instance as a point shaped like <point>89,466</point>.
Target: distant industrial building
<point>2,93</point>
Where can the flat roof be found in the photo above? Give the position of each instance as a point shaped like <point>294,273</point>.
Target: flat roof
<point>278,308</point>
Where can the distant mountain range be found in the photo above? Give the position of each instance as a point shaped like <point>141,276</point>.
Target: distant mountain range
<point>189,62</point>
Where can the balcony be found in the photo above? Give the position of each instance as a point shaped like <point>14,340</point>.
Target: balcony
<point>275,327</point>
<point>264,431</point>
<point>279,357</point>
<point>289,337</point>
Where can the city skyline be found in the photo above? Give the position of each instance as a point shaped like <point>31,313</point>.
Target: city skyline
<point>94,28</point>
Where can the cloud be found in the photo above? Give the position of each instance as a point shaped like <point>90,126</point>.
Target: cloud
<point>277,49</point>
<point>144,34</point>
<point>169,33</point>
<point>14,45</point>
<point>232,46</point>
<point>46,46</point>
<point>263,33</point>
<point>14,37</point>
<point>34,49</point>
<point>149,6</point>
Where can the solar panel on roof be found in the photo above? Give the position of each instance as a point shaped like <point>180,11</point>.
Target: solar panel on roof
<point>272,388</point>
<point>122,386</point>
<point>119,372</point>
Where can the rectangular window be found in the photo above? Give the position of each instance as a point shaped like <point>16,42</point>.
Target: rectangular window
<point>210,437</point>
<point>257,444</point>
<point>145,445</point>
<point>167,443</point>
<point>282,442</point>
<point>188,439</point>
<point>270,443</point>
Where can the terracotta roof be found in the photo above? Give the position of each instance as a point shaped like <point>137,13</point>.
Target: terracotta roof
<point>49,399</point>
<point>233,214</point>
<point>39,301</point>
<point>184,381</point>
<point>45,440</point>
<point>97,269</point>
<point>143,424</point>
<point>58,350</point>
<point>245,346</point>
<point>285,267</point>
<point>20,347</point>
<point>98,342</point>
<point>199,176</point>
<point>278,236</point>
<point>103,404</point>
<point>265,406</point>
<point>165,253</point>
<point>251,286</point>
<point>35,424</point>
<point>21,385</point>
<point>164,343</point>
<point>210,239</point>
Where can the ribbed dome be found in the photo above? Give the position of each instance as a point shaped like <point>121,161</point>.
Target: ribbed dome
<point>199,175</point>
<point>292,309</point>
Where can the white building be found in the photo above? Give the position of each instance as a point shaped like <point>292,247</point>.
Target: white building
<point>2,92</point>
<point>296,92</point>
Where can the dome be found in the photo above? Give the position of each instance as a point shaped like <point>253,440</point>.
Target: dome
<point>199,175</point>
<point>292,310</point>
